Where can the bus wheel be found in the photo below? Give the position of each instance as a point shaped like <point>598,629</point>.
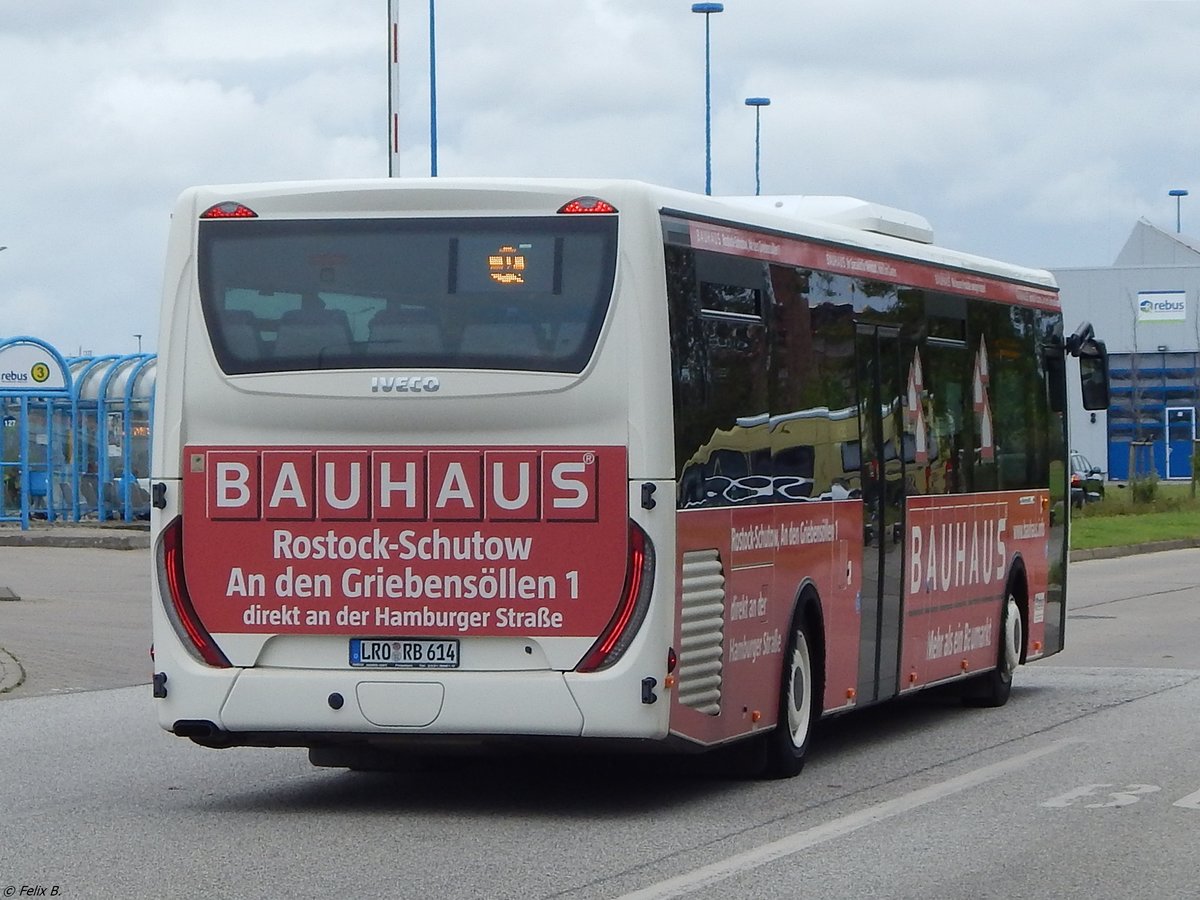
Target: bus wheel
<point>993,688</point>
<point>788,743</point>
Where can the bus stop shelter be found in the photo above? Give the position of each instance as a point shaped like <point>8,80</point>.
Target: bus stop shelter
<point>35,394</point>
<point>76,434</point>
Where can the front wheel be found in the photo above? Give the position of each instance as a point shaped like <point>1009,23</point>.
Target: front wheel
<point>993,688</point>
<point>788,743</point>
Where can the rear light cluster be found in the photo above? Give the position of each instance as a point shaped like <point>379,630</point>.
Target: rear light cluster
<point>586,205</point>
<point>635,600</point>
<point>173,586</point>
<point>229,210</point>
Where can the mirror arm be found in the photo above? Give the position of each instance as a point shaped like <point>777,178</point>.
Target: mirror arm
<point>1081,340</point>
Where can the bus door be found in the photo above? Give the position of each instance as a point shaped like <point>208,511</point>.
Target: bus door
<point>881,433</point>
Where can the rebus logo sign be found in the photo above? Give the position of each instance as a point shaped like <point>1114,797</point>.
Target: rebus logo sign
<point>1162,306</point>
<point>401,485</point>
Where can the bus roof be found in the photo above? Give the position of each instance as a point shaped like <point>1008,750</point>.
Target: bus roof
<point>837,220</point>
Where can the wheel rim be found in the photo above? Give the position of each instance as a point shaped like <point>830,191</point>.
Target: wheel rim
<point>1012,637</point>
<point>799,694</point>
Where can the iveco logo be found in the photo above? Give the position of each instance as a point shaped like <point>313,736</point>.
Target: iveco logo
<point>404,384</point>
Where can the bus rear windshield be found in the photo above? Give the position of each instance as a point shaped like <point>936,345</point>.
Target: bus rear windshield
<point>526,294</point>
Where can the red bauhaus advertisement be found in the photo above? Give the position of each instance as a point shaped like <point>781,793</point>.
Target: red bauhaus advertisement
<point>959,553</point>
<point>436,541</point>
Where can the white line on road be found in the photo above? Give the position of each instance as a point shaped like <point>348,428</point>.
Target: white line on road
<point>802,840</point>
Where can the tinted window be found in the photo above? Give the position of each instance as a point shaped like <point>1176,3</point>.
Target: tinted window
<point>718,345</point>
<point>526,294</point>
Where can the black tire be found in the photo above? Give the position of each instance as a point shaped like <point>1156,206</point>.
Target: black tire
<point>787,745</point>
<point>993,688</point>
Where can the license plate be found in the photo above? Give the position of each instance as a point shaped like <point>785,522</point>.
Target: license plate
<point>403,653</point>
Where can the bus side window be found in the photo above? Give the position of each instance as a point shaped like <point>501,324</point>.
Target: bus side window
<point>948,368</point>
<point>718,336</point>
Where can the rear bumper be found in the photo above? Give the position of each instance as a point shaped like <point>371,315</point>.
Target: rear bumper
<point>279,706</point>
<point>340,701</point>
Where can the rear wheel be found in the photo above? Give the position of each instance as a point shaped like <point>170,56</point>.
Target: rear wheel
<point>993,688</point>
<point>788,743</point>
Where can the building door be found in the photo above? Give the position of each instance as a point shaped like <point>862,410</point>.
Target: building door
<point>1181,434</point>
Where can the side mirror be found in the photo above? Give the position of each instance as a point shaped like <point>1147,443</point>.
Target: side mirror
<point>1093,374</point>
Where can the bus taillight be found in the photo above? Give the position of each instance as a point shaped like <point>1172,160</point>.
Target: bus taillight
<point>180,610</point>
<point>586,205</point>
<point>635,600</point>
<point>229,210</point>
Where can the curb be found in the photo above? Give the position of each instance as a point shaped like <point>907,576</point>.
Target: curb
<point>128,540</point>
<point>1134,549</point>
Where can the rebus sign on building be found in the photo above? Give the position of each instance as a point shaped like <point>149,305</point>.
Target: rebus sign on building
<point>1162,306</point>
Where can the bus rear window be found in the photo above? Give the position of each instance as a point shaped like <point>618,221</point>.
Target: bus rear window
<point>526,294</point>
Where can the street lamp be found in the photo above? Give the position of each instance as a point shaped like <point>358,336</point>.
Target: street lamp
<point>1178,194</point>
<point>394,89</point>
<point>139,340</point>
<point>707,9</point>
<point>758,103</point>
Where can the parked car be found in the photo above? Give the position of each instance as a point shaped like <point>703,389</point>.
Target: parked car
<point>1087,481</point>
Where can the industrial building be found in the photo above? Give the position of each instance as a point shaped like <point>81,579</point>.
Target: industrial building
<point>1144,306</point>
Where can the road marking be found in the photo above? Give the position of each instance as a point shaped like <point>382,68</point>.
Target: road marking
<point>716,872</point>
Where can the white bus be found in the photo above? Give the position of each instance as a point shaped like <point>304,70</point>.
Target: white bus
<point>448,463</point>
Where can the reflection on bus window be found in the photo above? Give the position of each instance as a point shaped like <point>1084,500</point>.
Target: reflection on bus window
<point>809,454</point>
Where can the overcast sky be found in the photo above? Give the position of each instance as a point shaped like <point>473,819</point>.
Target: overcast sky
<point>1036,132</point>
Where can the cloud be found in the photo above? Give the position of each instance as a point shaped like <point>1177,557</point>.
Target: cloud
<point>1027,131</point>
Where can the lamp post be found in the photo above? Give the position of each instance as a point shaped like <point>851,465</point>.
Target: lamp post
<point>139,340</point>
<point>707,9</point>
<point>758,103</point>
<point>1178,194</point>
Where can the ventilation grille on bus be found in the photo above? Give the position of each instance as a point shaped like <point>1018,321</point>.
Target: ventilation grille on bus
<point>702,631</point>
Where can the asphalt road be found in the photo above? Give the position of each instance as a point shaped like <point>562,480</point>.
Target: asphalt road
<point>82,621</point>
<point>1087,784</point>
<point>1137,611</point>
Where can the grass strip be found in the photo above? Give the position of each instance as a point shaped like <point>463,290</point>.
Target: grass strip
<point>1118,521</point>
